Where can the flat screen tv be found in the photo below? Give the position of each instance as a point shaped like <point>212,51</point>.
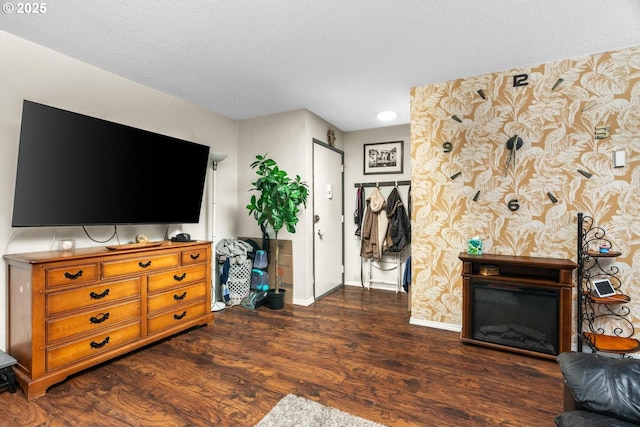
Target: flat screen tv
<point>79,170</point>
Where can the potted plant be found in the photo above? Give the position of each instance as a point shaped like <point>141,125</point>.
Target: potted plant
<point>277,205</point>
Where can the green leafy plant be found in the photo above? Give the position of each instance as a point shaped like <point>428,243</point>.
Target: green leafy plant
<point>278,201</point>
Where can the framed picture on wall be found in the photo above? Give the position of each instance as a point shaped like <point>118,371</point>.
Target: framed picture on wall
<point>383,157</point>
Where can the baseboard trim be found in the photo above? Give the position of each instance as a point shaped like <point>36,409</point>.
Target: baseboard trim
<point>303,302</point>
<point>383,286</point>
<point>436,325</point>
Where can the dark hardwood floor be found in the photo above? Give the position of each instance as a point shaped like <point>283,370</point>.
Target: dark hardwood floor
<point>353,350</point>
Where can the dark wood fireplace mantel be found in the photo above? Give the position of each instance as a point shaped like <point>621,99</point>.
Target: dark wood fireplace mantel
<point>533,275</point>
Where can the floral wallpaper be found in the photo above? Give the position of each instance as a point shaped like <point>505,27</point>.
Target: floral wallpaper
<point>568,118</point>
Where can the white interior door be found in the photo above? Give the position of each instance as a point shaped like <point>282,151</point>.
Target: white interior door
<point>328,209</point>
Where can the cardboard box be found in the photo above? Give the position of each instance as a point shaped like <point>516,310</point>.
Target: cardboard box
<point>285,247</point>
<point>288,296</point>
<point>285,271</point>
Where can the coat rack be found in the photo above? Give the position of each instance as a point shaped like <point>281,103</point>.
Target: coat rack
<point>397,257</point>
<point>381,184</point>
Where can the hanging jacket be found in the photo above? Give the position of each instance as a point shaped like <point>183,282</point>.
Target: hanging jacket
<point>409,204</point>
<point>374,227</point>
<point>359,212</point>
<point>399,231</point>
<point>406,278</point>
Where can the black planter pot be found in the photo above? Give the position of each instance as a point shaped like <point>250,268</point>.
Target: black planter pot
<point>275,301</point>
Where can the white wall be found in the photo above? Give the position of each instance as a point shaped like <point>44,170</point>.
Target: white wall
<point>354,152</point>
<point>288,139</point>
<point>283,138</point>
<point>29,71</point>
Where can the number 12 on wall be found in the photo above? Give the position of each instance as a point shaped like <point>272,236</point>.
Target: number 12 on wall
<point>520,80</point>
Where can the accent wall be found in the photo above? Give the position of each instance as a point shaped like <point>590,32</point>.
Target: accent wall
<point>567,118</point>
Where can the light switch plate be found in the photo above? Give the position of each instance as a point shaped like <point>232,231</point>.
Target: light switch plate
<point>618,159</point>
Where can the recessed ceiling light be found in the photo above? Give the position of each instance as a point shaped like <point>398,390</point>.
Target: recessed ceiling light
<point>386,115</point>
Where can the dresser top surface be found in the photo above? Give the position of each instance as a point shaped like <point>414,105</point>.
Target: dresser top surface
<point>79,253</point>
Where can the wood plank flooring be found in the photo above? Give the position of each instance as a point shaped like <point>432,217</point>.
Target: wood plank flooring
<point>353,350</point>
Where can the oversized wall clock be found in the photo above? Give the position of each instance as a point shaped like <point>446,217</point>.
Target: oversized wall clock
<point>511,146</point>
<point>511,179</point>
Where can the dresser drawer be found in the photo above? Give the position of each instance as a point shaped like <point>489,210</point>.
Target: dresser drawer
<point>71,275</point>
<point>176,317</point>
<point>59,302</point>
<point>177,297</point>
<point>139,265</point>
<point>193,257</point>
<point>177,277</point>
<point>91,320</point>
<point>92,346</point>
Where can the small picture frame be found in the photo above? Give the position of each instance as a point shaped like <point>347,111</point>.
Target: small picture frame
<point>383,157</point>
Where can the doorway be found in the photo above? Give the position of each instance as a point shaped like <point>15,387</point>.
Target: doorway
<point>328,218</point>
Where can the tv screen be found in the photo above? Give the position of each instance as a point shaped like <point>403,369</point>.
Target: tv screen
<point>79,170</point>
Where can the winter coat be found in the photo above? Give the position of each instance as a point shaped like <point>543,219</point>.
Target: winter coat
<point>374,227</point>
<point>399,232</point>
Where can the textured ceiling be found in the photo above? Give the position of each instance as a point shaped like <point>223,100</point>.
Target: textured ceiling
<point>342,60</point>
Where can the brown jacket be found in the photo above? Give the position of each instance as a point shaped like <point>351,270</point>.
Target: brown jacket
<point>374,227</point>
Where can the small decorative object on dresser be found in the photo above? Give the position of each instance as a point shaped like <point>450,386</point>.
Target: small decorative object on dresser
<point>69,312</point>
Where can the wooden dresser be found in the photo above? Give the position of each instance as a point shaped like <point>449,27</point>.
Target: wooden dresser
<point>69,311</point>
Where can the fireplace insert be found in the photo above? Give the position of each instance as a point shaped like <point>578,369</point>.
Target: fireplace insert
<point>516,316</point>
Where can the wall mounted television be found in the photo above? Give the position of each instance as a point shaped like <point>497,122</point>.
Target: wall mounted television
<point>79,170</point>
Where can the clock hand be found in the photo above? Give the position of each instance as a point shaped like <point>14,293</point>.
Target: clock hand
<point>515,148</point>
<point>512,145</point>
<point>508,163</point>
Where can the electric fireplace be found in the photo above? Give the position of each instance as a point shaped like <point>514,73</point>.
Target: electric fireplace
<point>516,316</point>
<point>517,303</point>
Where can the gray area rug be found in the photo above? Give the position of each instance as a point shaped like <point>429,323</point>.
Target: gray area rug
<point>296,411</point>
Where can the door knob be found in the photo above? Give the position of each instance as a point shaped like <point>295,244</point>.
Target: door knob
<point>316,218</point>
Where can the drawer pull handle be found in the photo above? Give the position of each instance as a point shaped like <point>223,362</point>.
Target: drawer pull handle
<point>73,276</point>
<point>179,278</point>
<point>180,316</point>
<point>93,295</point>
<point>99,344</point>
<point>195,257</point>
<point>94,320</point>
<point>180,297</point>
<point>144,264</point>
